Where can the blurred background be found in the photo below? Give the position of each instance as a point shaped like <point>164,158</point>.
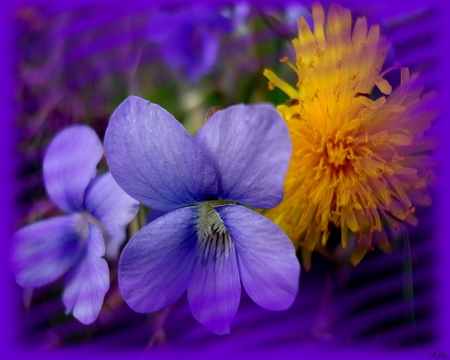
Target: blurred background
<point>76,64</point>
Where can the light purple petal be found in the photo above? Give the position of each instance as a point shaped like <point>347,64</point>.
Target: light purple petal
<point>88,281</point>
<point>251,149</point>
<point>153,158</point>
<point>214,291</point>
<point>45,250</point>
<point>114,242</point>
<point>268,267</point>
<point>108,203</point>
<point>156,265</point>
<point>69,165</point>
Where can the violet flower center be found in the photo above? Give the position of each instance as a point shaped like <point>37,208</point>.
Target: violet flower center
<point>83,227</point>
<point>212,234</point>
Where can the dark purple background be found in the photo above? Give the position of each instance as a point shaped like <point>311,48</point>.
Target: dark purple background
<point>438,76</point>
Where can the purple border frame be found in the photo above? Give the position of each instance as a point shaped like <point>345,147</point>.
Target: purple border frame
<point>8,134</point>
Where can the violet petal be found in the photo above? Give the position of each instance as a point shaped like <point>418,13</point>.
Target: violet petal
<point>69,165</point>
<point>153,158</point>
<point>114,243</point>
<point>268,267</point>
<point>204,51</point>
<point>88,281</point>
<point>45,250</point>
<point>156,264</point>
<point>108,203</point>
<point>251,149</point>
<point>214,291</point>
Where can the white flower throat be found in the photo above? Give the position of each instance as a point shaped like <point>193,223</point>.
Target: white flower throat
<point>213,237</point>
<point>83,220</point>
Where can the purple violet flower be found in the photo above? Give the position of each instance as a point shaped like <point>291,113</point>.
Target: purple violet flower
<point>73,244</point>
<point>189,38</point>
<point>206,243</point>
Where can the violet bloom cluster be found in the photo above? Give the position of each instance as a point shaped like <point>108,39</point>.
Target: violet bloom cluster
<point>189,38</point>
<point>206,243</point>
<point>98,210</point>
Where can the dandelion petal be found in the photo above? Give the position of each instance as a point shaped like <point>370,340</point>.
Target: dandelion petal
<point>45,250</point>
<point>215,290</point>
<point>69,165</point>
<point>268,267</point>
<point>156,265</point>
<point>251,149</point>
<point>153,158</point>
<point>88,281</point>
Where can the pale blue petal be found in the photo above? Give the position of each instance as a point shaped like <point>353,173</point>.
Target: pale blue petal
<point>268,267</point>
<point>251,149</point>
<point>109,204</point>
<point>156,264</point>
<point>153,158</point>
<point>214,291</point>
<point>45,250</point>
<point>88,281</point>
<point>69,165</point>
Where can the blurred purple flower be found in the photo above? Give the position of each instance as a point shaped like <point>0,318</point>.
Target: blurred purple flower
<point>238,14</point>
<point>73,244</point>
<point>189,38</point>
<point>206,243</point>
<point>292,13</point>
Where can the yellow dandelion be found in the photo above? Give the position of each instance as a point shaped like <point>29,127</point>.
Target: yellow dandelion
<point>358,163</point>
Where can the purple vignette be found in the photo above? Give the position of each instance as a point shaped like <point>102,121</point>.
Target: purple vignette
<point>189,38</point>
<point>206,243</point>
<point>98,211</point>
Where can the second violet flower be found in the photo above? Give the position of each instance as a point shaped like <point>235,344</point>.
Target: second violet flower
<point>95,210</point>
<point>206,243</point>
